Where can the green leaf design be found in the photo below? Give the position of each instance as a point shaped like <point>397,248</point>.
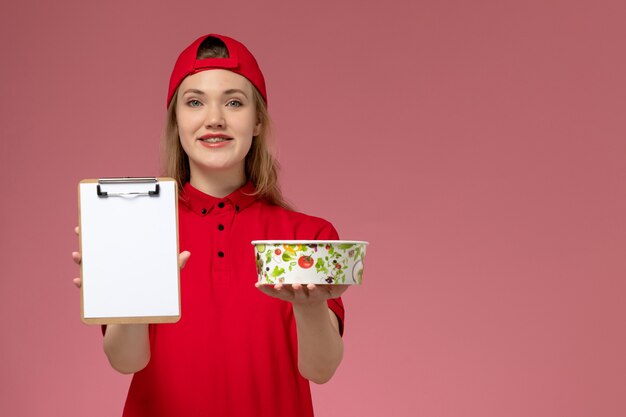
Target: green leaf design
<point>289,256</point>
<point>320,266</point>
<point>340,276</point>
<point>345,245</point>
<point>277,272</point>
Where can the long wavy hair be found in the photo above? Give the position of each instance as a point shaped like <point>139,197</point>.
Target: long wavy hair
<point>261,167</point>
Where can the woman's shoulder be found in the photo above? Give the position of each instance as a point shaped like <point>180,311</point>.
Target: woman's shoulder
<point>305,225</point>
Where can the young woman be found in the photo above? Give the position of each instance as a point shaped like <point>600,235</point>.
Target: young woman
<point>240,348</point>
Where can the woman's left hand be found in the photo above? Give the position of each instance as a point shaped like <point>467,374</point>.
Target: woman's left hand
<point>299,294</point>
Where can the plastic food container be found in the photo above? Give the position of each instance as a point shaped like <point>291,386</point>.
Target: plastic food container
<point>324,262</point>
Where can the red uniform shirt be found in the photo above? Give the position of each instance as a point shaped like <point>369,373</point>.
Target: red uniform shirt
<point>234,351</point>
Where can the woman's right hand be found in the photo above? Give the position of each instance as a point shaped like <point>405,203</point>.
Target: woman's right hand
<point>183,257</point>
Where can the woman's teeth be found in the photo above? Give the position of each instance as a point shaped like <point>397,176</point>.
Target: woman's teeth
<point>214,140</point>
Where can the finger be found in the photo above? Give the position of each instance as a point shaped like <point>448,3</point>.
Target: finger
<point>78,282</point>
<point>183,257</point>
<point>300,293</point>
<point>327,290</point>
<point>267,289</point>
<point>337,289</point>
<point>77,230</point>
<point>313,291</point>
<point>76,256</point>
<point>263,286</point>
<point>283,293</point>
<point>319,292</point>
<point>284,288</point>
<point>340,289</point>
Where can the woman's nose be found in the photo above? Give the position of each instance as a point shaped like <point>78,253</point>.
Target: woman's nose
<point>214,119</point>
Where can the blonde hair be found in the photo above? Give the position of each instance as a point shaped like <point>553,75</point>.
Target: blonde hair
<point>261,167</point>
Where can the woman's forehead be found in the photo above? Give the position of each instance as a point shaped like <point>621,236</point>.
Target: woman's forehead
<point>215,81</point>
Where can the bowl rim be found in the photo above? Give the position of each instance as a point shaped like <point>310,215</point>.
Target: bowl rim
<point>306,242</point>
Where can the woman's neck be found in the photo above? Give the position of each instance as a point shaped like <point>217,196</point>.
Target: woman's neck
<point>217,183</point>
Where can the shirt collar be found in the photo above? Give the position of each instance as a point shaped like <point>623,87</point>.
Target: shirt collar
<point>203,204</point>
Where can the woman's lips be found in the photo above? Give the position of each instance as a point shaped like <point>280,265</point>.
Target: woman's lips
<point>214,137</point>
<point>214,140</point>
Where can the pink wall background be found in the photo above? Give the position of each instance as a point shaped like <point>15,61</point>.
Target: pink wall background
<point>479,146</point>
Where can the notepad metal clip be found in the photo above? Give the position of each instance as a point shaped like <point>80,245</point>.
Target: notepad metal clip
<point>128,180</point>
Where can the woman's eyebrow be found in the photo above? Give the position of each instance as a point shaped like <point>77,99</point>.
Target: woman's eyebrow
<point>194,91</point>
<point>235,90</point>
<point>226,92</point>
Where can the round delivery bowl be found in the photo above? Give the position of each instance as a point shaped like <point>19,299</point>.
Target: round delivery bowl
<point>318,262</point>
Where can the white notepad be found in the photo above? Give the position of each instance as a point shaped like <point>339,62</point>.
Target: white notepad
<point>129,247</point>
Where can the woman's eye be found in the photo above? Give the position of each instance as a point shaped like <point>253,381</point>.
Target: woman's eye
<point>193,103</point>
<point>234,103</point>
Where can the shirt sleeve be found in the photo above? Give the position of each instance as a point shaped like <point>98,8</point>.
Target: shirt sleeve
<point>328,232</point>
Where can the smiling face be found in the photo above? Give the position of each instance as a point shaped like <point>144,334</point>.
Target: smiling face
<point>217,118</point>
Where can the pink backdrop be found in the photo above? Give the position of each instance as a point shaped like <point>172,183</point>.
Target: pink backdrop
<point>478,145</point>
